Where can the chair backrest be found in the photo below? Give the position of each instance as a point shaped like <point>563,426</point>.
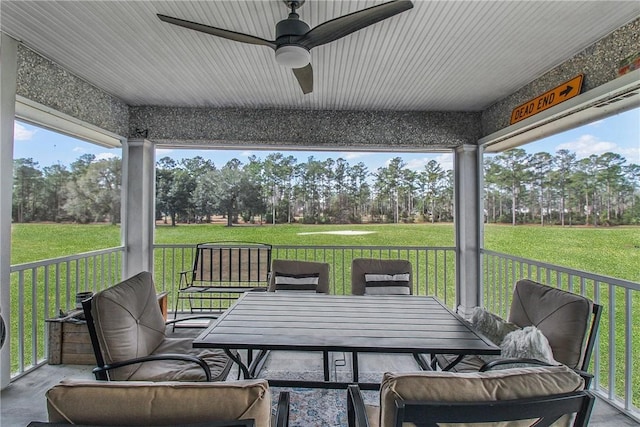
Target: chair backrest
<point>158,403</point>
<point>361,267</point>
<point>300,270</point>
<point>125,322</point>
<point>431,397</point>
<point>568,321</point>
<point>232,262</point>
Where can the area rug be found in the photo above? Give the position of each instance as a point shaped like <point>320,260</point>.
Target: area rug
<point>317,407</point>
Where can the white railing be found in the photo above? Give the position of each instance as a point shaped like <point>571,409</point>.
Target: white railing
<point>617,351</point>
<point>41,290</point>
<point>433,267</point>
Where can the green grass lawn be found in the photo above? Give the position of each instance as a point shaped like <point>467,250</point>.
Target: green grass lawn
<point>610,251</point>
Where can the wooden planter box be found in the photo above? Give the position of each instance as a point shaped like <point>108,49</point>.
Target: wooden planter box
<point>69,341</point>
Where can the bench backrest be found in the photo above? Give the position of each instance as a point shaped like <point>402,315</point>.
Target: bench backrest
<point>232,262</point>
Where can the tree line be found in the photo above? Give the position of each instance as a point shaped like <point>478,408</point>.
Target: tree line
<point>519,188</point>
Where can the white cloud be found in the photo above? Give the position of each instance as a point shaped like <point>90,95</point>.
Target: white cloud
<point>163,152</point>
<point>104,156</point>
<point>246,154</point>
<point>21,133</point>
<point>445,160</point>
<point>352,155</point>
<point>632,154</point>
<point>79,150</point>
<point>587,145</point>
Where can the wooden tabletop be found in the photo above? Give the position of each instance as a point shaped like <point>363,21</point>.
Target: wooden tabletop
<point>316,322</point>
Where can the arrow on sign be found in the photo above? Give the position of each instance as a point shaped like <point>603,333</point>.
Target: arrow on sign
<point>567,91</point>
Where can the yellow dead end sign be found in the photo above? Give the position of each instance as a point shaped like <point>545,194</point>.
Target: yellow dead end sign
<point>548,99</point>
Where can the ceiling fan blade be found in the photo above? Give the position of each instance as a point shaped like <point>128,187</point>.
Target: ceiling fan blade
<point>219,32</point>
<point>305,78</point>
<point>347,24</point>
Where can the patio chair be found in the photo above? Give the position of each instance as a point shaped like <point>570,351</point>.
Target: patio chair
<point>294,275</point>
<point>370,276</point>
<point>128,335</point>
<point>142,403</point>
<point>540,396</point>
<point>297,276</point>
<point>568,321</point>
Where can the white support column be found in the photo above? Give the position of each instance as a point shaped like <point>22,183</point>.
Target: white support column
<point>138,207</point>
<point>8,76</point>
<point>468,217</point>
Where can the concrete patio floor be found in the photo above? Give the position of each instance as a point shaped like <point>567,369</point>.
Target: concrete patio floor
<point>23,401</point>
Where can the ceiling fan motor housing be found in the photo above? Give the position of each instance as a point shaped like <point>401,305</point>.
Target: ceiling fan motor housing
<point>289,53</point>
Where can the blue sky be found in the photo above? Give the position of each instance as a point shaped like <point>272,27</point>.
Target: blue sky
<point>618,134</point>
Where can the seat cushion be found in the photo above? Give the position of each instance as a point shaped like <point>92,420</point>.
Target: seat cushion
<point>363,266</point>
<point>294,267</point>
<point>297,282</point>
<point>479,386</point>
<point>562,317</point>
<point>128,321</point>
<point>387,284</point>
<point>159,403</point>
<point>172,370</point>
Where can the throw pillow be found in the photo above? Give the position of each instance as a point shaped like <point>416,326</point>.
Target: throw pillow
<point>387,284</point>
<point>296,282</point>
<point>491,326</point>
<point>527,343</point>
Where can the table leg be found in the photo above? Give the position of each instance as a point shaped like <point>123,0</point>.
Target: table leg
<point>238,360</point>
<point>454,363</point>
<point>420,359</point>
<point>325,364</point>
<point>354,364</point>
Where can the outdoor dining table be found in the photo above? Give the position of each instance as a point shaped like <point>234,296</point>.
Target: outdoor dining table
<point>299,321</point>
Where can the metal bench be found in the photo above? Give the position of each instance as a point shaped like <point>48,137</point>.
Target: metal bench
<point>221,272</point>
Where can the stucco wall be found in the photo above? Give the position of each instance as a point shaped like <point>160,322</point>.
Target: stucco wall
<point>599,64</point>
<point>46,83</point>
<point>302,128</point>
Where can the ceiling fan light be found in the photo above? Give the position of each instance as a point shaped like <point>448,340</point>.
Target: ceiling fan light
<point>292,56</point>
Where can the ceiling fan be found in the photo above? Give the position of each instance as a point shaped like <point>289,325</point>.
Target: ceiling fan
<point>294,38</point>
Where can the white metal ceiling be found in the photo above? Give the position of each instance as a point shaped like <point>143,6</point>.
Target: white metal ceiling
<point>438,56</point>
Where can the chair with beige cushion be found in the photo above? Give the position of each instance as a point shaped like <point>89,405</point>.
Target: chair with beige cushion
<point>370,276</point>
<point>143,403</point>
<point>567,320</point>
<point>128,334</point>
<point>294,275</point>
<point>513,397</point>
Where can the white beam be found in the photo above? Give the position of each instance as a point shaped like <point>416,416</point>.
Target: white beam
<point>138,207</point>
<point>468,217</point>
<point>8,75</point>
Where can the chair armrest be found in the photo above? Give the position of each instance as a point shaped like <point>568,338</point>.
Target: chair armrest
<point>154,357</point>
<point>356,412</point>
<point>586,376</point>
<point>488,366</point>
<point>200,316</point>
<point>184,278</point>
<point>282,411</point>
